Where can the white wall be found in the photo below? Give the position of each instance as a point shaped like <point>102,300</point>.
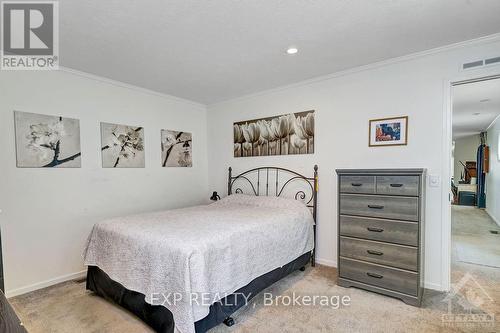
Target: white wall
<point>413,86</point>
<point>48,213</point>
<point>465,150</point>
<point>493,176</point>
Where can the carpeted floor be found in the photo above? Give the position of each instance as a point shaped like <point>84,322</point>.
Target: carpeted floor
<point>472,240</point>
<point>69,308</point>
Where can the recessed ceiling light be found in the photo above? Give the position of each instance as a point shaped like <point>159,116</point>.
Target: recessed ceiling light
<point>292,50</point>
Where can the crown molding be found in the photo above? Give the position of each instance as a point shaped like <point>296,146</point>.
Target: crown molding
<point>129,86</point>
<point>493,122</point>
<point>412,56</point>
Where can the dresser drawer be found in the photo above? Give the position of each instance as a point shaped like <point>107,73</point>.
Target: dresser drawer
<point>398,256</point>
<point>357,184</point>
<point>391,207</point>
<point>398,185</point>
<point>381,276</point>
<point>398,232</point>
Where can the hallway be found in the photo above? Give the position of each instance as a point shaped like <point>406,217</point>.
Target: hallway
<point>472,240</point>
<point>475,265</point>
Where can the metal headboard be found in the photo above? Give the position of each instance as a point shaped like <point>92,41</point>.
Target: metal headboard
<point>261,183</point>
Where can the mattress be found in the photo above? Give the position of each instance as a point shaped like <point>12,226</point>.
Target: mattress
<point>187,259</point>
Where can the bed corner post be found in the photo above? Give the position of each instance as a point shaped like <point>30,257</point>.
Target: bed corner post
<point>315,204</point>
<point>229,181</point>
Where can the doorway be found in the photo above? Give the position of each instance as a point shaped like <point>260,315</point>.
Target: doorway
<point>475,180</point>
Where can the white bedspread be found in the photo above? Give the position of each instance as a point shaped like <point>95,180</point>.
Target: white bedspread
<point>211,250</point>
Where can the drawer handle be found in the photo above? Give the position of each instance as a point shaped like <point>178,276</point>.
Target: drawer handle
<point>376,276</point>
<point>396,185</point>
<point>356,184</point>
<point>375,206</point>
<point>374,229</point>
<point>377,253</point>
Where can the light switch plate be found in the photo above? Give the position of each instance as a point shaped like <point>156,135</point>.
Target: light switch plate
<point>434,181</point>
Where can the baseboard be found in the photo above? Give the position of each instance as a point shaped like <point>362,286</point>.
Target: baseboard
<point>326,262</point>
<point>433,286</point>
<point>492,217</point>
<point>45,284</point>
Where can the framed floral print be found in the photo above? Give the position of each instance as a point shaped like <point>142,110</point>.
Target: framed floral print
<point>44,141</point>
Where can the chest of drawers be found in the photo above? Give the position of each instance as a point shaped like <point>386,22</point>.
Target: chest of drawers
<point>381,231</point>
<point>9,322</point>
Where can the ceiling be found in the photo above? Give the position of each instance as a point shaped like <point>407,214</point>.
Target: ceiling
<point>475,106</point>
<point>211,51</point>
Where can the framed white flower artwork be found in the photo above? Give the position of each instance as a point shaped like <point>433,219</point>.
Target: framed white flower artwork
<point>176,149</point>
<point>289,134</point>
<point>44,141</point>
<point>122,146</point>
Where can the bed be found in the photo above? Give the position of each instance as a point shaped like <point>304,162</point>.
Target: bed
<point>187,270</point>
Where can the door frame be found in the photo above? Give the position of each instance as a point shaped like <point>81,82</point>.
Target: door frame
<point>469,76</point>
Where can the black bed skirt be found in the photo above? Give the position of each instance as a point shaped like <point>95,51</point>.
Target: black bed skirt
<point>161,319</point>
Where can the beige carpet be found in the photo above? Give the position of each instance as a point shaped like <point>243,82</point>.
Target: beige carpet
<point>472,240</point>
<point>69,308</point>
<point>477,251</point>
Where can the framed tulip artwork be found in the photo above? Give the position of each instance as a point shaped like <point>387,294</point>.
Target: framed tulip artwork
<point>122,146</point>
<point>176,149</point>
<point>388,132</point>
<point>289,134</point>
<point>44,141</point>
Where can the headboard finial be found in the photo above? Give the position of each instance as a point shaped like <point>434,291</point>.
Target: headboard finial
<point>316,178</point>
<point>229,180</point>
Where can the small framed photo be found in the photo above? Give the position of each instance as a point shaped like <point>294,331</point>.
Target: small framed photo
<point>388,132</point>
